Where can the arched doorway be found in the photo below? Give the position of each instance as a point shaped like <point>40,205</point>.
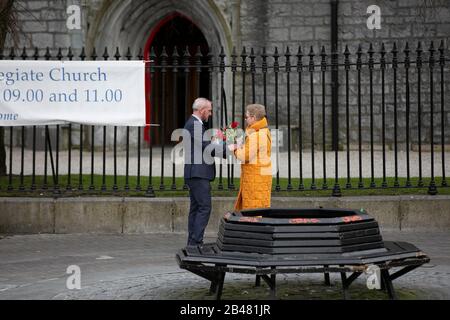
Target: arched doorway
<point>173,90</point>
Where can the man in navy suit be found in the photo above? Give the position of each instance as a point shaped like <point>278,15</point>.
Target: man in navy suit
<point>199,169</point>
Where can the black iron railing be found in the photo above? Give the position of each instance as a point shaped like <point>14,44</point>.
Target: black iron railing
<point>387,99</point>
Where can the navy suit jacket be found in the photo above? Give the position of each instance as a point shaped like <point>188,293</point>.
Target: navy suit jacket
<point>194,147</point>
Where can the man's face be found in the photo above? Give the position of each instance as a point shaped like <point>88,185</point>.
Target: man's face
<point>206,112</point>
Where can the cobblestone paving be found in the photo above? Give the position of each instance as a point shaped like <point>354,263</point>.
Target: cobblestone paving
<point>143,267</point>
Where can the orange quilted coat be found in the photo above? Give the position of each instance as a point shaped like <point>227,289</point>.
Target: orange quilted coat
<point>256,168</point>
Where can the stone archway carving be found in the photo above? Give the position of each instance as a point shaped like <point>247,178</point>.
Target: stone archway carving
<point>128,24</point>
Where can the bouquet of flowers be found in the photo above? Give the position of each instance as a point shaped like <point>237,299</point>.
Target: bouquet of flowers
<point>231,134</point>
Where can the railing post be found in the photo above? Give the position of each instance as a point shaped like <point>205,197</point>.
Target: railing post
<point>22,147</point>
<point>244,74</point>
<point>348,185</point>
<point>92,185</point>
<point>222,75</point>
<point>276,70</point>
<point>104,188</point>
<point>372,164</point>
<point>432,190</point>
<point>407,89</point>
<point>175,63</point>
<point>33,178</point>
<point>288,101</point>
<point>186,63</point>
<point>233,102</point>
<point>139,130</point>
<point>358,68</point>
<point>253,74</point>
<point>163,57</point>
<point>335,108</point>
<point>150,191</point>
<point>69,160</point>
<point>419,108</point>
<point>383,110</point>
<point>311,83</point>
<point>301,185</point>
<point>12,56</point>
<point>442,65</point>
<point>80,177</point>
<point>323,68</point>
<point>395,67</point>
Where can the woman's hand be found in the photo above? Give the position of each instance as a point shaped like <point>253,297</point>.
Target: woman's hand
<point>232,147</point>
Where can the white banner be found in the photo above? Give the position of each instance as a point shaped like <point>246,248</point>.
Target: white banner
<point>86,92</point>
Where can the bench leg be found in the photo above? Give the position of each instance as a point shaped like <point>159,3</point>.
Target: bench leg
<point>345,286</point>
<point>213,288</point>
<point>327,278</point>
<point>273,288</point>
<point>272,283</point>
<point>386,279</point>
<point>220,282</point>
<point>258,281</point>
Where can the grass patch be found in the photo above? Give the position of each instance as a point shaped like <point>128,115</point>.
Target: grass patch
<point>122,186</point>
<point>289,290</point>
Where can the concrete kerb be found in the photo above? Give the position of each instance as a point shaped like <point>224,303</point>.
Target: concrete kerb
<point>163,215</point>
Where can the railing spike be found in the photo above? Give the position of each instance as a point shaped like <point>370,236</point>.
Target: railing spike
<point>175,53</point>
<point>94,54</point>
<point>152,53</point>
<point>83,54</point>
<point>164,52</point>
<point>129,56</point>
<point>24,55</point>
<point>347,51</point>
<point>70,54</point>
<point>117,55</point>
<point>244,52</point>
<point>47,54</point>
<point>59,55</point>
<point>188,52</point>
<point>198,53</point>
<point>394,47</point>
<point>105,54</point>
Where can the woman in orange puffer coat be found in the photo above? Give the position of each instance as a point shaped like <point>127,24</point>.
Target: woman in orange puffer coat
<point>255,156</point>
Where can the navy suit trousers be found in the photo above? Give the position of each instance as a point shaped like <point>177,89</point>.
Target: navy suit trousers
<point>200,210</point>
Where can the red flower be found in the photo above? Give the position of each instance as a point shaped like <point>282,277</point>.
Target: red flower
<point>234,125</point>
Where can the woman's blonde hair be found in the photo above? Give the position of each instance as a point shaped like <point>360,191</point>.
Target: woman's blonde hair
<point>256,110</point>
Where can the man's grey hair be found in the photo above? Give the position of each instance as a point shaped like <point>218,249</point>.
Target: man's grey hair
<point>200,103</point>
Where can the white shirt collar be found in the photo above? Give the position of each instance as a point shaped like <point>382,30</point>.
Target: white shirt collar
<point>198,118</point>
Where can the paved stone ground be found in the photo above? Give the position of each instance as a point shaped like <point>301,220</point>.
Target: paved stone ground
<point>140,267</point>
